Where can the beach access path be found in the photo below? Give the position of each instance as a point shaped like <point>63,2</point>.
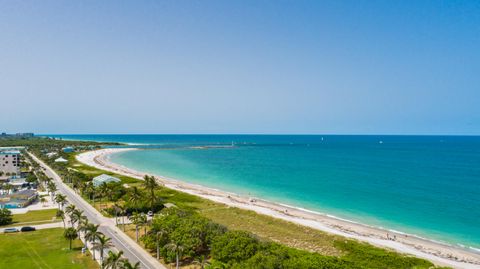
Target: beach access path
<point>131,250</point>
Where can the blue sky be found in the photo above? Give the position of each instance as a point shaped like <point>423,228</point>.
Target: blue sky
<point>341,67</point>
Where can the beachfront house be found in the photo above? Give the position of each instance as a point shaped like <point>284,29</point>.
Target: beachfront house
<point>97,181</point>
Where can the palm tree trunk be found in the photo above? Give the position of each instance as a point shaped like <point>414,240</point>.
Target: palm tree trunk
<point>177,259</point>
<point>136,230</point>
<point>70,244</point>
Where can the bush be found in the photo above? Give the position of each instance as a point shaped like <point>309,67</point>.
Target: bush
<point>190,230</point>
<point>5,216</point>
<point>234,246</point>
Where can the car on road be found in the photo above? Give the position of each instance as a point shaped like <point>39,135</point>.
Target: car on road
<point>10,230</point>
<point>27,229</point>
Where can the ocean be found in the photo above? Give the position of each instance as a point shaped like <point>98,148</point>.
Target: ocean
<point>428,186</point>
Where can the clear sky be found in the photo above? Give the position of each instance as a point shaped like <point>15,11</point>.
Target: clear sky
<point>341,67</point>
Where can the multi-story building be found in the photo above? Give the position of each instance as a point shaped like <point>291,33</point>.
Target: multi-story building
<point>10,161</point>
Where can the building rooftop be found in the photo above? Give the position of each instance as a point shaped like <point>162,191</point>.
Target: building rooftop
<point>97,181</point>
<point>60,160</point>
<point>9,152</point>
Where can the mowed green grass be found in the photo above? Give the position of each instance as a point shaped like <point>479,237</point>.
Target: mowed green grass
<point>34,217</point>
<point>45,249</point>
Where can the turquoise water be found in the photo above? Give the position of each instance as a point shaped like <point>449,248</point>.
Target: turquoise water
<point>423,185</point>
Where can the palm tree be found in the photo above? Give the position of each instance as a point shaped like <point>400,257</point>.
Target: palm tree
<point>70,234</point>
<point>122,211</point>
<point>82,228</point>
<point>76,216</point>
<point>8,187</point>
<point>114,261</point>
<point>177,248</point>
<point>52,188</point>
<point>117,210</point>
<point>159,235</point>
<point>150,184</point>
<point>61,214</point>
<point>92,234</point>
<point>76,184</point>
<point>43,200</point>
<point>101,244</point>
<point>202,261</point>
<point>135,196</point>
<point>61,200</point>
<point>88,189</point>
<point>138,220</point>
<point>110,192</point>
<point>127,265</point>
<point>70,208</point>
<point>144,223</point>
<point>103,190</point>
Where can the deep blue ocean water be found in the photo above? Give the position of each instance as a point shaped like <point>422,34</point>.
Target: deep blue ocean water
<point>423,185</point>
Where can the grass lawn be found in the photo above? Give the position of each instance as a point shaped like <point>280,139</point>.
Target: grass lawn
<point>34,217</point>
<point>42,249</point>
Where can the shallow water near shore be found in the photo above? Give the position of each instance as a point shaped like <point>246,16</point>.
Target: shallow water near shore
<point>423,185</point>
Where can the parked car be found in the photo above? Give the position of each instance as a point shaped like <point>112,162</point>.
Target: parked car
<point>150,213</point>
<point>10,230</point>
<point>27,229</point>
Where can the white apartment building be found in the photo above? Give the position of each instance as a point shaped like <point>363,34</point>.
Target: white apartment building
<point>10,161</point>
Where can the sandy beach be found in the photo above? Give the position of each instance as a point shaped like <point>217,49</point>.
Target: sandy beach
<point>438,253</point>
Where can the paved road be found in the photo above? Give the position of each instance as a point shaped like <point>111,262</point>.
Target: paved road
<point>121,241</point>
<point>38,226</point>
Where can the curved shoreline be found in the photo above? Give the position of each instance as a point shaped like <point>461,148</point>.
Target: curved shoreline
<point>437,252</point>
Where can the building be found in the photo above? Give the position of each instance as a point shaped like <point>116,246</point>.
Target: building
<point>51,154</point>
<point>21,135</point>
<point>18,182</point>
<point>60,160</point>
<point>24,134</point>
<point>10,161</point>
<point>18,199</point>
<point>97,181</point>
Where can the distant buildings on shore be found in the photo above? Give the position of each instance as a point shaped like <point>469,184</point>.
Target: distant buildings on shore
<point>20,135</point>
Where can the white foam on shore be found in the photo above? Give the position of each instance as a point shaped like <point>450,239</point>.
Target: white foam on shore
<point>418,246</point>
